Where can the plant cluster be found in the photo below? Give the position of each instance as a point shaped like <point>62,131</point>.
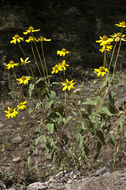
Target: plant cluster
<point>91,121</point>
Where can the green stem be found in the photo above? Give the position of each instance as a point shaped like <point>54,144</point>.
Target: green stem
<point>44,60</point>
<point>116,59</point>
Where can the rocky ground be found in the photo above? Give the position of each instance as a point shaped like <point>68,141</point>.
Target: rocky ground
<point>17,139</point>
<point>103,179</point>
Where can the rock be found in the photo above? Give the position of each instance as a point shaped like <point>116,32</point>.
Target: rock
<point>17,139</point>
<point>2,186</point>
<point>110,181</point>
<point>37,186</point>
<point>102,171</point>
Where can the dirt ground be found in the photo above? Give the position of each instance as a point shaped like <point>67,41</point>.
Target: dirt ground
<point>17,138</point>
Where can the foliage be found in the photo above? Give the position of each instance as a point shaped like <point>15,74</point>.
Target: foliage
<point>94,122</point>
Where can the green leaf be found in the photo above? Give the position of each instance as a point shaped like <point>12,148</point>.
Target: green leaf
<point>90,102</point>
<point>99,145</point>
<point>52,95</point>
<point>100,135</point>
<point>37,140</point>
<point>99,102</point>
<point>113,139</point>
<point>105,110</point>
<point>39,80</point>
<point>83,155</point>
<point>111,103</point>
<point>66,120</point>
<point>105,82</point>
<point>120,124</point>
<point>31,88</point>
<point>79,139</point>
<point>38,106</point>
<point>49,104</point>
<point>50,127</point>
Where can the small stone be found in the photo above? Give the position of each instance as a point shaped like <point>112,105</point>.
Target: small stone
<point>37,186</point>
<point>102,171</point>
<point>17,139</point>
<point>17,159</point>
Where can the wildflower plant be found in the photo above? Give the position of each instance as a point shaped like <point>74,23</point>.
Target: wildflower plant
<point>90,120</point>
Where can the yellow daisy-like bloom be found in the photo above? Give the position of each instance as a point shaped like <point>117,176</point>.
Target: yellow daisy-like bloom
<point>118,36</point>
<point>56,69</point>
<point>103,40</point>
<point>21,105</point>
<point>31,30</point>
<point>24,80</point>
<point>101,71</point>
<point>106,47</point>
<point>16,39</point>
<point>63,65</point>
<point>11,64</point>
<point>41,39</point>
<point>67,85</point>
<point>62,52</point>
<point>11,113</point>
<point>31,39</point>
<point>24,61</point>
<point>121,24</point>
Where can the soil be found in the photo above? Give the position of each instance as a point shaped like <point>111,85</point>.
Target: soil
<point>17,139</point>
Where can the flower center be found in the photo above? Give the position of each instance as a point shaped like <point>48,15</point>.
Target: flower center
<point>123,23</point>
<point>119,34</point>
<point>102,69</point>
<point>16,36</point>
<point>20,104</point>
<point>105,38</point>
<point>41,38</point>
<point>11,62</point>
<point>68,83</point>
<point>11,110</point>
<point>31,38</point>
<point>64,50</point>
<point>30,28</point>
<point>56,67</point>
<point>23,78</point>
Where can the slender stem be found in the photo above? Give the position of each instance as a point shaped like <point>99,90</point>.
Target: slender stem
<point>116,59</point>
<point>112,56</point>
<point>36,60</point>
<point>40,59</point>
<point>65,97</point>
<point>114,68</point>
<point>44,60</point>
<point>104,64</point>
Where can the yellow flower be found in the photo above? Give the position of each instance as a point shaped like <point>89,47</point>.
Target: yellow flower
<point>56,69</point>
<point>67,85</point>
<point>62,52</point>
<point>106,47</point>
<point>63,65</point>
<point>16,39</point>
<point>101,71</point>
<point>118,36</point>
<point>24,62</point>
<point>11,113</point>
<point>30,30</point>
<point>24,80</point>
<point>31,39</point>
<point>121,24</point>
<point>11,64</point>
<point>41,39</point>
<point>103,40</point>
<point>21,105</point>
